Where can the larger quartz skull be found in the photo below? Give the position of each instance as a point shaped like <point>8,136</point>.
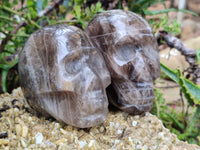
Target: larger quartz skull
<point>64,76</point>
<point>131,53</point>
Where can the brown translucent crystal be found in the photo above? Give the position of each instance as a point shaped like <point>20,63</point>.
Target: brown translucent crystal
<point>64,76</point>
<point>131,54</point>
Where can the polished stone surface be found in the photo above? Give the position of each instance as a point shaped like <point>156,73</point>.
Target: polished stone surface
<point>131,54</point>
<point>64,76</point>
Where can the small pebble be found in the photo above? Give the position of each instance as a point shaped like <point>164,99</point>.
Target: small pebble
<point>119,131</point>
<point>23,143</point>
<point>16,110</point>
<point>138,146</point>
<point>137,117</point>
<point>82,143</point>
<point>24,131</point>
<point>39,138</point>
<point>116,142</point>
<point>101,129</point>
<point>14,101</point>
<point>91,143</point>
<point>147,114</point>
<point>5,107</point>
<point>3,134</point>
<point>18,129</point>
<point>16,106</point>
<point>4,141</point>
<point>134,123</point>
<point>60,141</point>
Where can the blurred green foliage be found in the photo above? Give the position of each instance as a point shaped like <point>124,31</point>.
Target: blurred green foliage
<point>198,56</point>
<point>85,15</point>
<point>185,125</point>
<point>14,16</point>
<point>141,6</point>
<point>163,23</point>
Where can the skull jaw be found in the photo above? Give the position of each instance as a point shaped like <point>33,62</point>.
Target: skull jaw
<point>89,121</point>
<point>132,109</point>
<point>62,105</point>
<point>80,122</point>
<point>131,102</point>
<point>136,109</point>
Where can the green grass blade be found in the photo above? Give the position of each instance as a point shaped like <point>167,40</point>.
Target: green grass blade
<point>3,80</point>
<point>156,12</point>
<point>169,72</point>
<point>9,10</point>
<point>6,18</point>
<point>5,68</point>
<point>191,87</point>
<point>193,122</point>
<point>198,56</point>
<point>175,121</point>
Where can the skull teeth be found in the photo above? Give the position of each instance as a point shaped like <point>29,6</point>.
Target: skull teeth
<point>137,96</point>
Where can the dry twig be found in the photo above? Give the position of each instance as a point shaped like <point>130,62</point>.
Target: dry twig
<point>113,4</point>
<point>10,34</point>
<point>174,42</point>
<point>190,54</point>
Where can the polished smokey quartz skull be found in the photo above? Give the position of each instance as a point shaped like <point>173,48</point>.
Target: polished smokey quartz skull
<point>131,53</point>
<point>64,76</point>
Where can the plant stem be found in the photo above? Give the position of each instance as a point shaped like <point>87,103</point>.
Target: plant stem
<point>3,80</point>
<point>6,18</point>
<point>32,22</point>
<point>9,10</point>
<point>9,36</point>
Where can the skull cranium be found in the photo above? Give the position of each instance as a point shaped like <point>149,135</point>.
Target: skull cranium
<point>62,74</point>
<point>131,54</point>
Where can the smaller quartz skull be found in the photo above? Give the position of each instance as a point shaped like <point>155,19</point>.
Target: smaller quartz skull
<point>131,54</point>
<point>64,76</point>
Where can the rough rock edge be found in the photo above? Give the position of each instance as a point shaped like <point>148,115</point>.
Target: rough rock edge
<point>120,131</point>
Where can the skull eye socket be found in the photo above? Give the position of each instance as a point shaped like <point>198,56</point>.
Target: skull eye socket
<point>126,53</point>
<point>73,66</point>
